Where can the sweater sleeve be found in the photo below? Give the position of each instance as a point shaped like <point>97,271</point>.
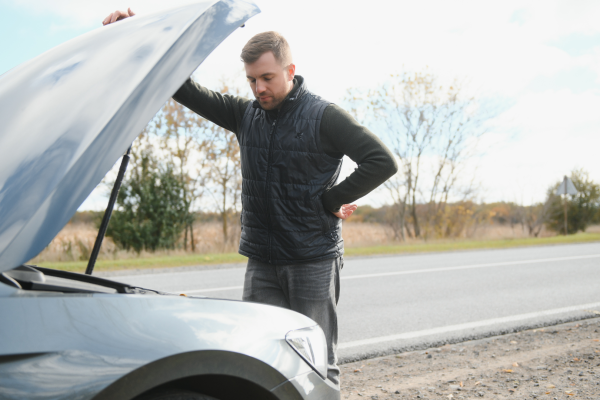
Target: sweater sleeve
<point>342,135</point>
<point>222,109</point>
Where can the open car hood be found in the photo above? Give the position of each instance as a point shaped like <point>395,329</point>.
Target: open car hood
<point>67,115</point>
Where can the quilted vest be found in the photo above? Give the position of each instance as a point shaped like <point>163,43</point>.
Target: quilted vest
<point>284,174</point>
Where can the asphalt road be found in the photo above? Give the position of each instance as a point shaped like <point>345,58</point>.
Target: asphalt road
<point>397,303</point>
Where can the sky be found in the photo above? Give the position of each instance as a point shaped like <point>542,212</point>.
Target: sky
<point>542,58</point>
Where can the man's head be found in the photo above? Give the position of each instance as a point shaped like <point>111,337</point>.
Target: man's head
<point>268,62</point>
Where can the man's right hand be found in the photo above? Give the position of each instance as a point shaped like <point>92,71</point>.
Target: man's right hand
<point>345,211</point>
<point>117,16</point>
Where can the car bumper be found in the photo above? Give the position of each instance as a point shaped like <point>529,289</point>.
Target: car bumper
<point>309,386</point>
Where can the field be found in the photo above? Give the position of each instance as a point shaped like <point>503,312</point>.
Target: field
<point>71,248</point>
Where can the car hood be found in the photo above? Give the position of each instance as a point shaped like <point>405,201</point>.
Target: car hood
<point>70,113</point>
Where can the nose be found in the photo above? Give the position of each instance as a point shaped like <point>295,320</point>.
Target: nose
<point>260,86</point>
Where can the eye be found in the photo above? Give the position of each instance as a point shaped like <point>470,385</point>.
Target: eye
<point>267,79</point>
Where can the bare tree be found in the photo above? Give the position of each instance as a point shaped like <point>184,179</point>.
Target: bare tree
<point>433,129</point>
<point>206,157</point>
<point>535,216</point>
<point>224,171</point>
<point>225,175</point>
<point>397,189</point>
<point>184,143</point>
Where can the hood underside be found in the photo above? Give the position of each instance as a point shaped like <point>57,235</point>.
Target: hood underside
<point>70,113</point>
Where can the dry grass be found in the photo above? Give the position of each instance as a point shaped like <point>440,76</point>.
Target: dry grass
<point>75,241</point>
<point>496,231</point>
<point>362,234</point>
<point>71,247</point>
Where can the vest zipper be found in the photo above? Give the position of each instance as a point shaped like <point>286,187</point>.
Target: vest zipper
<point>268,187</point>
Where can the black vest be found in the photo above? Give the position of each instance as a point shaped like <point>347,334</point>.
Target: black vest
<point>284,174</point>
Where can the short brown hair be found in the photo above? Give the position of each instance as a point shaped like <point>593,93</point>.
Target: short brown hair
<point>267,41</point>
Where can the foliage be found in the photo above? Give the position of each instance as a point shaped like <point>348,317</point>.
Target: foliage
<point>182,139</point>
<point>178,158</point>
<point>531,218</point>
<point>205,156</point>
<point>463,218</point>
<point>583,208</point>
<point>153,211</point>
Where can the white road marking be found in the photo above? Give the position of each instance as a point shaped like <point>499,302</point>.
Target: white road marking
<point>500,264</point>
<point>468,325</point>
<point>421,271</point>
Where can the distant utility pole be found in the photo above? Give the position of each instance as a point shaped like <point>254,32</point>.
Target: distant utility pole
<point>565,188</point>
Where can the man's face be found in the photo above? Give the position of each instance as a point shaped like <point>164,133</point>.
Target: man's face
<point>269,80</point>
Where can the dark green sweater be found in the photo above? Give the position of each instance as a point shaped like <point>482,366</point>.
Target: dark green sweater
<point>340,135</point>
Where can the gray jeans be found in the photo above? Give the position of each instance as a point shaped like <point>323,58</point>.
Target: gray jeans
<point>312,289</point>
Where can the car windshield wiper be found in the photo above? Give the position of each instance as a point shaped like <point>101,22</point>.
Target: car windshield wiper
<point>108,213</point>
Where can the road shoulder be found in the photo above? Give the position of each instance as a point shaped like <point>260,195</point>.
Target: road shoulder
<point>560,361</point>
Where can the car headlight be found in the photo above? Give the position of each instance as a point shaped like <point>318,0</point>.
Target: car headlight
<point>310,344</point>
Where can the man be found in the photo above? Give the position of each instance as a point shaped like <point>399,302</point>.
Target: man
<point>292,143</point>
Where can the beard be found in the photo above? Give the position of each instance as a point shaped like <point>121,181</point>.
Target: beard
<point>274,101</point>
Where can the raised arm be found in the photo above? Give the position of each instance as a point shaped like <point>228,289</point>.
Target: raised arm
<point>222,109</point>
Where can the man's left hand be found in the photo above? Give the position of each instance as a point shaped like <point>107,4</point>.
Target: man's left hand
<point>345,211</point>
<point>117,16</point>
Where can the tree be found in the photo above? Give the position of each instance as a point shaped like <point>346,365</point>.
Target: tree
<point>433,129</point>
<point>225,166</point>
<point>396,213</point>
<point>184,143</point>
<point>530,218</point>
<point>152,209</point>
<point>583,208</point>
<point>534,217</point>
<point>225,175</point>
<point>178,158</point>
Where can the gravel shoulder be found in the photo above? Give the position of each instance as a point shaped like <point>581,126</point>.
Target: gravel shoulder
<point>557,362</point>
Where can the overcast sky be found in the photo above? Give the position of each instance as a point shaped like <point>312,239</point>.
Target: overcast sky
<point>541,57</point>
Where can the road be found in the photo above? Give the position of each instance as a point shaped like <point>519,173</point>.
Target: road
<point>396,303</point>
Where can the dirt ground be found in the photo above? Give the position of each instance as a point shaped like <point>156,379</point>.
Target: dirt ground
<point>560,362</point>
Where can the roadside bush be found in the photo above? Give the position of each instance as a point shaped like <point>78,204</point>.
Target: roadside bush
<point>583,208</point>
<point>152,211</point>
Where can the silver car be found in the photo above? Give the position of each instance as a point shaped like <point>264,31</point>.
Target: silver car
<point>66,117</point>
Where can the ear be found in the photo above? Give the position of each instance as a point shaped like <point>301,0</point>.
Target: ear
<point>291,72</point>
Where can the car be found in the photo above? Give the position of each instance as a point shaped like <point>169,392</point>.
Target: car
<point>67,116</point>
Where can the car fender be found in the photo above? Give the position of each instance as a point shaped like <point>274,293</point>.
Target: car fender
<point>195,364</point>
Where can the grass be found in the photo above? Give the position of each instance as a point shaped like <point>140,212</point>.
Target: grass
<point>457,245</point>
<point>164,261</point>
